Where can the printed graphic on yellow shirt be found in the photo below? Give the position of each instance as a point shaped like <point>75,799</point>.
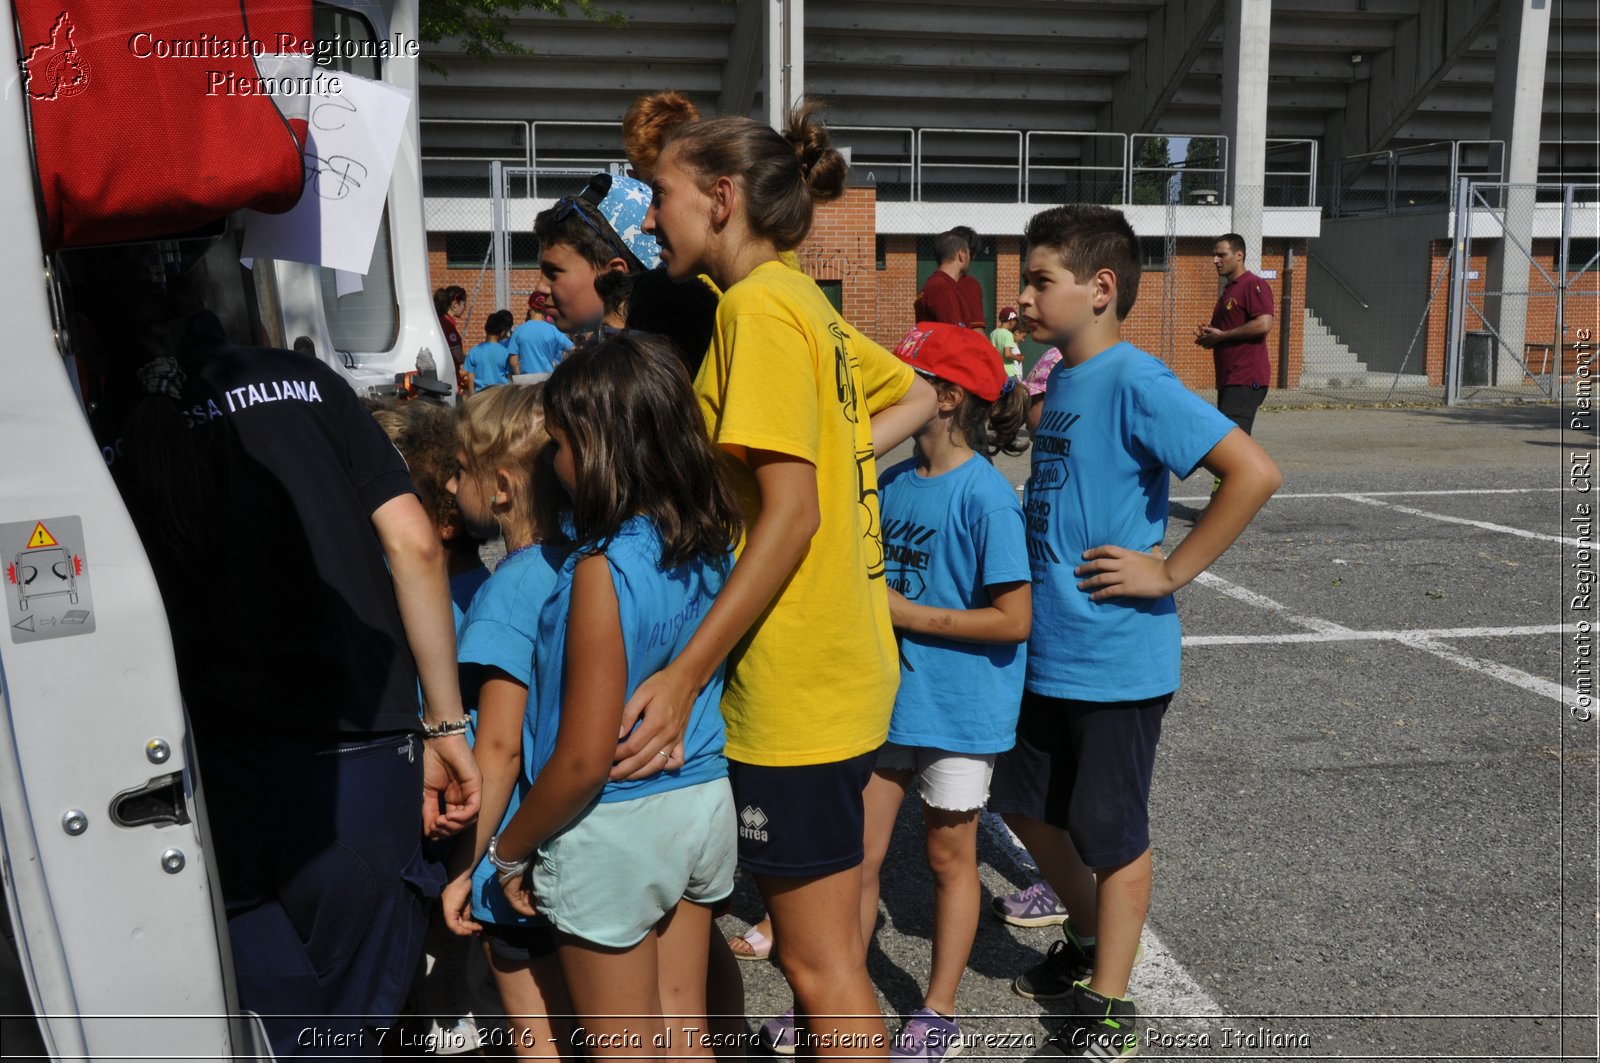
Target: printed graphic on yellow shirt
<point>873,550</point>
<point>845,369</point>
<point>844,372</point>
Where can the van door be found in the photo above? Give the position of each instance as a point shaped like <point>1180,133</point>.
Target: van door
<point>114,908</point>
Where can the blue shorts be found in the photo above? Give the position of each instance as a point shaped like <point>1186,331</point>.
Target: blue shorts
<point>801,821</point>
<point>1084,767</point>
<point>612,875</point>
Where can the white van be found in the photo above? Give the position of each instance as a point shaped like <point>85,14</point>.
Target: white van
<point>115,940</point>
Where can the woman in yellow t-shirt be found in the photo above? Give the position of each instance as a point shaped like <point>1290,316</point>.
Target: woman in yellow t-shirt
<point>800,404</point>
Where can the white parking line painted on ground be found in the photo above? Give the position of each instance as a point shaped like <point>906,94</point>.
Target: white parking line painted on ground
<point>1361,636</point>
<point>1503,672</point>
<point>1421,640</point>
<point>1261,601</point>
<point>1160,983</point>
<point>1282,496</point>
<point>1481,524</point>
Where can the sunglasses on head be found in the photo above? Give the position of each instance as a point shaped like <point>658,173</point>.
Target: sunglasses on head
<point>573,205</point>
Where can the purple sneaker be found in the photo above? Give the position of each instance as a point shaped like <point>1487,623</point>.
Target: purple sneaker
<point>928,1036</point>
<point>1037,905</point>
<point>779,1033</point>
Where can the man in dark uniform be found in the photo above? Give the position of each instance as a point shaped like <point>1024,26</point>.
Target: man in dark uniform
<point>1237,334</point>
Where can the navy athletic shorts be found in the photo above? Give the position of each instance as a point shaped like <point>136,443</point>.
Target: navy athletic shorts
<point>1084,767</point>
<point>801,821</point>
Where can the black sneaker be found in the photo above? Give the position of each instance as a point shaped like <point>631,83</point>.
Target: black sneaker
<point>1068,961</point>
<point>1100,1028</point>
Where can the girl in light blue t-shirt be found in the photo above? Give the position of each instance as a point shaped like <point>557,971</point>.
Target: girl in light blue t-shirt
<point>501,433</point>
<point>626,870</point>
<point>956,561</point>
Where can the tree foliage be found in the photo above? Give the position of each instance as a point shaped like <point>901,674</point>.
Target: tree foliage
<point>480,25</point>
<point>1200,166</point>
<point>1149,179</point>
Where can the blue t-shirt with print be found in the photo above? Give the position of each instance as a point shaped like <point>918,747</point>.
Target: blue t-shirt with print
<point>538,345</point>
<point>489,363</point>
<point>660,609</point>
<point>946,539</point>
<point>498,633</point>
<point>1113,430</point>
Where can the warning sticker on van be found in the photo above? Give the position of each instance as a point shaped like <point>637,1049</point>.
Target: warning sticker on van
<point>46,579</point>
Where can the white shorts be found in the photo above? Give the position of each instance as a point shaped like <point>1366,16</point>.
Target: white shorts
<point>950,782</point>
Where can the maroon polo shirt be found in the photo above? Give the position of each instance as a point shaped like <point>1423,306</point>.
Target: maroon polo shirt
<point>1242,362</point>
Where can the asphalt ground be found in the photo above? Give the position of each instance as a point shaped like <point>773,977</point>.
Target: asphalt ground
<point>1374,817</point>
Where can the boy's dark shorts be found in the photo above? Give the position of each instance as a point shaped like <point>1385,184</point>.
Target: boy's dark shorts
<point>520,943</point>
<point>801,821</point>
<point>1084,767</point>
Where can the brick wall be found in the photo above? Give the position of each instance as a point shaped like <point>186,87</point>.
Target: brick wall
<point>480,290</point>
<point>1191,273</point>
<point>842,247</point>
<point>1194,280</point>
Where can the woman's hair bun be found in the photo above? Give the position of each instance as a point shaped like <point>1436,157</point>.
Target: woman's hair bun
<point>648,123</point>
<point>821,165</point>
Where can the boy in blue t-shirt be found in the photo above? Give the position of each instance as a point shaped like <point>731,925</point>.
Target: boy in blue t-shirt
<point>1103,658</point>
<point>491,362</point>
<point>537,344</point>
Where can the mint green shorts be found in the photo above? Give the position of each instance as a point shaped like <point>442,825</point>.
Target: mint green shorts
<point>611,876</point>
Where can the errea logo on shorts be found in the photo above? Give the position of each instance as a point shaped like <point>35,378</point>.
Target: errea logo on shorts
<point>751,822</point>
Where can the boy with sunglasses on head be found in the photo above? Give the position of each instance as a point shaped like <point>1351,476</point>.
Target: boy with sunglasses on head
<point>585,236</point>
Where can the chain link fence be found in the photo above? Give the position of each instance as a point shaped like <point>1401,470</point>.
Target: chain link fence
<point>1524,291</point>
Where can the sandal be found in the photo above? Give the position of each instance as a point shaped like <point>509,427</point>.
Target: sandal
<point>757,946</point>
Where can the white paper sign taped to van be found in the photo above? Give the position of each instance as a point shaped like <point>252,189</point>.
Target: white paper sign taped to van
<point>353,138</point>
<point>46,579</point>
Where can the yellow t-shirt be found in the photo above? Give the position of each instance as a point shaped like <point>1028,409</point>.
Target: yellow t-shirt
<point>814,679</point>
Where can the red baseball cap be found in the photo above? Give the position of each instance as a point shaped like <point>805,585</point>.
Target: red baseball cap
<point>537,301</point>
<point>956,354</point>
<point>1008,314</point>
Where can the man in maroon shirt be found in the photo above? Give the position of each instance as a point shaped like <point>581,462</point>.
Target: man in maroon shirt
<point>1237,334</point>
<point>950,295</point>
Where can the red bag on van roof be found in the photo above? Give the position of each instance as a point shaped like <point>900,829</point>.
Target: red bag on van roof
<point>152,119</point>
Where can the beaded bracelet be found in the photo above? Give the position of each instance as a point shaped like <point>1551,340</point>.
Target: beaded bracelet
<point>449,727</point>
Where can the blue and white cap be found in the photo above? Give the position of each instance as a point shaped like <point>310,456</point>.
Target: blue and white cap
<point>625,206</point>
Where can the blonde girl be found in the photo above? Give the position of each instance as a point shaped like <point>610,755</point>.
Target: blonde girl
<point>501,434</point>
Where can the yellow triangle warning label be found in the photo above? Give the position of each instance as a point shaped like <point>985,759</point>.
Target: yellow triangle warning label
<point>41,537</point>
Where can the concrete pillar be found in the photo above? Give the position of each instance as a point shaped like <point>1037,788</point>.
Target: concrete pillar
<point>786,58</point>
<point>1246,43</point>
<point>1515,116</point>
